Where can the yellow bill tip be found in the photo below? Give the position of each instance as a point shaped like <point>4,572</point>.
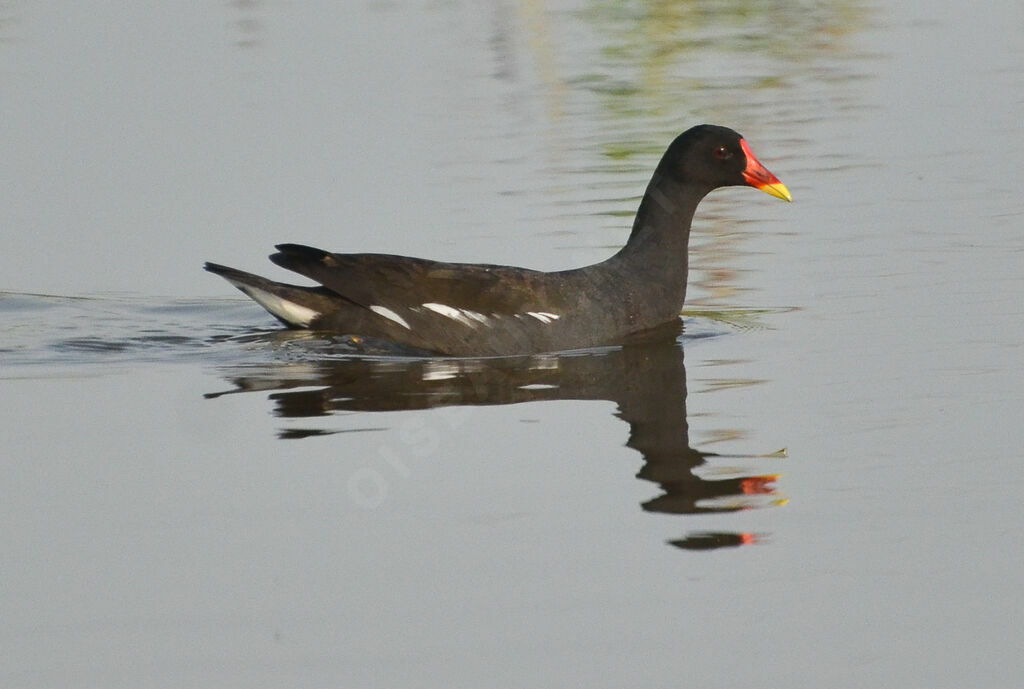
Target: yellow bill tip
<point>778,190</point>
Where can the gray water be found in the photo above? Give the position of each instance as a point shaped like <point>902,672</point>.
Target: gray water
<point>818,484</point>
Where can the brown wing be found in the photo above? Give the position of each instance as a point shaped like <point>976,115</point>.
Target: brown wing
<point>402,282</point>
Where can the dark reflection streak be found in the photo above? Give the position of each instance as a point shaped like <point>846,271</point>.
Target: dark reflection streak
<point>300,433</point>
<point>711,540</point>
<point>247,24</point>
<point>646,380</point>
<point>501,43</point>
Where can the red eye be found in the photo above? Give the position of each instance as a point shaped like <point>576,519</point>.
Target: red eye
<point>722,153</point>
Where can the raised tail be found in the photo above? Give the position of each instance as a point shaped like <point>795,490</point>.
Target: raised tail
<point>293,305</point>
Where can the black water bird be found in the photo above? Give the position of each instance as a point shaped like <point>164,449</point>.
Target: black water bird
<point>461,309</point>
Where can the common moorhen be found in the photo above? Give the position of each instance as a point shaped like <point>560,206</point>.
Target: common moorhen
<point>462,309</point>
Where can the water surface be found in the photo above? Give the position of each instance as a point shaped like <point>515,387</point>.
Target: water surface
<point>814,482</point>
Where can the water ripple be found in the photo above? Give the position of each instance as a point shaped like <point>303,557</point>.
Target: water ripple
<point>45,329</point>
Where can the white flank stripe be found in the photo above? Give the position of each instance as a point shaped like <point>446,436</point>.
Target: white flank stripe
<point>543,316</point>
<point>450,312</point>
<point>288,311</point>
<point>478,317</point>
<point>390,315</point>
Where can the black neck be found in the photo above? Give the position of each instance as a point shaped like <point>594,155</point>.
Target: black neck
<point>649,273</point>
<point>661,230</point>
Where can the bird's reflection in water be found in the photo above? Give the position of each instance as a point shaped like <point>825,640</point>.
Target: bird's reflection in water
<point>647,380</point>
